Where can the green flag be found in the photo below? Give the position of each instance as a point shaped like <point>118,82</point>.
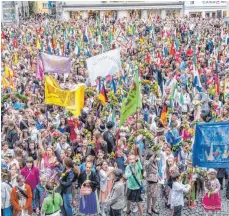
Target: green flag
<point>181,98</point>
<point>97,21</point>
<point>174,91</point>
<point>99,36</point>
<point>133,29</point>
<point>132,102</point>
<point>110,36</point>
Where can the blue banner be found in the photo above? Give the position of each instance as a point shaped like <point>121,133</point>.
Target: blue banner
<point>211,146</point>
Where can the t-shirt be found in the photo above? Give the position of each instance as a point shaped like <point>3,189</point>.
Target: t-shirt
<point>48,206</point>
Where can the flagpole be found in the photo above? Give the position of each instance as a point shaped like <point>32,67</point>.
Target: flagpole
<point>136,125</point>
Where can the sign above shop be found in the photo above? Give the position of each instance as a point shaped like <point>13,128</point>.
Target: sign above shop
<point>214,2</point>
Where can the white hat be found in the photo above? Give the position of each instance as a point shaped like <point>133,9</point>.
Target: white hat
<point>210,171</point>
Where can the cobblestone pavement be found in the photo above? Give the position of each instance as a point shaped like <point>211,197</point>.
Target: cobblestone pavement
<point>164,211</point>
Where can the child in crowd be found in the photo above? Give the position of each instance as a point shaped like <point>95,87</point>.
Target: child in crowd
<point>177,196</point>
<point>212,201</point>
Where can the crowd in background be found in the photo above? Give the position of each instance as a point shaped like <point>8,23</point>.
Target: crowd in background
<point>50,157</point>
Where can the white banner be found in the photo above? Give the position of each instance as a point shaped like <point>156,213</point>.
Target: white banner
<point>105,64</point>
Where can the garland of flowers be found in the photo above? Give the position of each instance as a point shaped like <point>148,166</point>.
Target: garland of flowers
<point>90,92</point>
<point>92,144</point>
<point>153,85</point>
<point>144,124</point>
<point>111,156</point>
<point>4,98</point>
<point>23,98</point>
<point>87,133</point>
<point>77,159</point>
<point>56,135</point>
<point>113,100</point>
<point>105,112</point>
<point>156,148</point>
<point>177,147</point>
<point>145,133</point>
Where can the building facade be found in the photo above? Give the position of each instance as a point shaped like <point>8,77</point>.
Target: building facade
<point>23,8</point>
<point>13,11</point>
<point>41,7</point>
<point>217,9</point>
<point>119,9</point>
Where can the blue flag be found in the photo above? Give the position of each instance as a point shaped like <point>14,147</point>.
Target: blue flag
<point>113,85</point>
<point>85,39</point>
<point>210,148</point>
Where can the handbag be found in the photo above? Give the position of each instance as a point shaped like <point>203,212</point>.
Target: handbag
<point>140,185</point>
<point>85,190</point>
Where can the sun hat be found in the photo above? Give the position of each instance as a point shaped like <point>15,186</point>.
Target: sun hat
<point>212,171</point>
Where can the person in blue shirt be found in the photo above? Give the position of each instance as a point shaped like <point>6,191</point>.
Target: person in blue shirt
<point>82,166</point>
<point>40,123</point>
<point>18,105</point>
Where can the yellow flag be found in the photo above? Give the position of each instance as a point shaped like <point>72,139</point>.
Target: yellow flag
<point>75,101</point>
<point>5,82</point>
<point>38,44</point>
<point>72,100</point>
<point>8,72</point>
<point>142,41</point>
<point>15,60</point>
<point>54,81</point>
<point>54,95</point>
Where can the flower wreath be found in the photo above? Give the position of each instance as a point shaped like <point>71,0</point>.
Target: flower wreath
<point>87,133</point>
<point>144,132</point>
<point>177,147</point>
<point>90,92</point>
<point>113,100</point>
<point>156,148</point>
<point>77,159</point>
<point>23,98</point>
<point>153,86</point>
<point>144,124</point>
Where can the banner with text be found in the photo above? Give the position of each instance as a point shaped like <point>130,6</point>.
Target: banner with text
<point>211,146</point>
<point>105,64</point>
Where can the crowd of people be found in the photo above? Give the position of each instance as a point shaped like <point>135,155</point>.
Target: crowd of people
<point>50,157</point>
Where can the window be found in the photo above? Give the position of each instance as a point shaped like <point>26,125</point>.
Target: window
<point>191,2</point>
<point>45,5</point>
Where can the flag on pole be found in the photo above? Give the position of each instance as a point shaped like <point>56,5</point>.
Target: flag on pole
<point>172,50</point>
<point>132,102</point>
<point>77,50</point>
<point>99,37</point>
<point>72,100</point>
<point>163,115</point>
<point>226,88</point>
<point>8,72</point>
<point>85,36</point>
<point>133,29</point>
<point>181,98</point>
<point>174,91</point>
<point>103,95</point>
<point>110,36</point>
<point>15,59</point>
<point>88,52</point>
<point>38,44</point>
<point>196,82</point>
<point>217,78</point>
<point>194,56</point>
<point>113,85</point>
